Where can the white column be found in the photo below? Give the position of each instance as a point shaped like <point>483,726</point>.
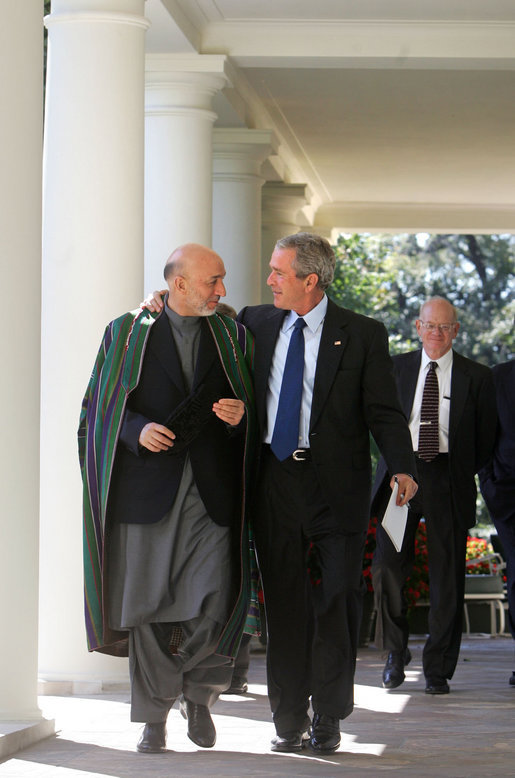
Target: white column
<point>281,206</point>
<point>21,96</point>
<point>178,154</point>
<point>92,272</point>
<point>237,158</point>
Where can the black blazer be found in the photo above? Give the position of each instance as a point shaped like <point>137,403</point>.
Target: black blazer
<point>144,484</point>
<point>472,422</point>
<point>497,478</point>
<point>354,395</point>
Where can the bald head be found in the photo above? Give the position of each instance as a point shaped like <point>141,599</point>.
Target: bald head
<point>184,257</point>
<point>194,275</point>
<point>441,305</point>
<point>437,326</point>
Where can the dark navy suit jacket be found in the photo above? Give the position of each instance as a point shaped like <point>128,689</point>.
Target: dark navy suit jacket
<point>498,477</point>
<point>354,395</point>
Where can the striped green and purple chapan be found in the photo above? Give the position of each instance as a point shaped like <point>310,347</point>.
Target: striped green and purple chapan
<point>236,349</point>
<point>116,372</point>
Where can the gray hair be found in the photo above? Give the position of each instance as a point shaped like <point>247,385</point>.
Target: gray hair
<point>314,254</point>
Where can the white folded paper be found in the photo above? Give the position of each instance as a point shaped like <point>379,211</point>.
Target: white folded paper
<point>394,519</point>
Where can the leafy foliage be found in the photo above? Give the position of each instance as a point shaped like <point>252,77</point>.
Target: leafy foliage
<point>390,276</point>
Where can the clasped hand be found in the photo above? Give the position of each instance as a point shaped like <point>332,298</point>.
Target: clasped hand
<point>156,437</point>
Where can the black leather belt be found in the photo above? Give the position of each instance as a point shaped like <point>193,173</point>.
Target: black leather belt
<point>299,455</point>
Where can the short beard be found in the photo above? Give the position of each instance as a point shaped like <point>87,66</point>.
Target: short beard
<point>203,310</point>
<point>199,306</point>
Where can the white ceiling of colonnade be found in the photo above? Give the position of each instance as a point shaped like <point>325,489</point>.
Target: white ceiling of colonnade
<point>397,114</point>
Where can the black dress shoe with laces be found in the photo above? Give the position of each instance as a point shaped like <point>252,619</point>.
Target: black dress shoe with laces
<point>153,739</point>
<point>290,742</point>
<point>200,724</point>
<point>437,686</point>
<point>393,673</point>
<point>325,734</point>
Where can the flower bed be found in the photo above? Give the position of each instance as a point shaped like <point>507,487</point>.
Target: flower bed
<point>484,571</point>
<point>477,548</point>
<point>417,585</point>
<point>485,567</point>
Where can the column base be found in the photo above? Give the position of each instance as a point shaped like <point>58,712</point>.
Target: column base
<point>17,735</point>
<point>62,688</point>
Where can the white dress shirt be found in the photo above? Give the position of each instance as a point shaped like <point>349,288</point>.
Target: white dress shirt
<point>312,333</point>
<point>444,374</point>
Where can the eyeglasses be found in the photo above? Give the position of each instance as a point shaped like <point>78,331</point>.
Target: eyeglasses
<point>430,327</point>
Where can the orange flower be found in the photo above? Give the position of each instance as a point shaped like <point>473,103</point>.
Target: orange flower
<point>476,548</point>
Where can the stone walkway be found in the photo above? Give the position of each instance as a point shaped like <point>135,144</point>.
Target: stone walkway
<point>469,733</point>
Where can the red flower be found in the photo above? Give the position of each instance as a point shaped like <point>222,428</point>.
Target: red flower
<point>478,547</point>
<point>417,585</point>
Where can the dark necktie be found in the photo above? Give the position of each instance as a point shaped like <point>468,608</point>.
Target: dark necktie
<point>428,446</point>
<point>285,438</point>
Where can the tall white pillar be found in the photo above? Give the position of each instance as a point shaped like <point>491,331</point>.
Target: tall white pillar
<point>178,154</point>
<point>92,272</point>
<point>281,205</point>
<point>237,158</point>
<point>21,97</point>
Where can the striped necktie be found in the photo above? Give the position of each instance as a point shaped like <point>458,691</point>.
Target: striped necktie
<point>428,445</point>
<point>285,438</point>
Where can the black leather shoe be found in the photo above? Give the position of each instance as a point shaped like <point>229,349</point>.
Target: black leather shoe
<point>238,686</point>
<point>393,673</point>
<point>325,734</point>
<point>290,741</point>
<point>153,739</point>
<point>512,679</point>
<point>200,724</point>
<point>439,686</point>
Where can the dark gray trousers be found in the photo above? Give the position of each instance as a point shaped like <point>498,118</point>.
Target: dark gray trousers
<point>158,677</point>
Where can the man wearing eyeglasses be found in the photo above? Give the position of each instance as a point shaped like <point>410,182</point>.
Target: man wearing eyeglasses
<point>450,404</point>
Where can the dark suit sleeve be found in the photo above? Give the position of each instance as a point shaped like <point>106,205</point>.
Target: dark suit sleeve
<point>486,425</point>
<point>132,425</point>
<point>383,412</point>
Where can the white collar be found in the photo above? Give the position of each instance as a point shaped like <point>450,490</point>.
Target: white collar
<point>313,318</point>
<point>443,362</point>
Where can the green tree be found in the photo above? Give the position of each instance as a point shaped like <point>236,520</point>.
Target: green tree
<point>389,276</point>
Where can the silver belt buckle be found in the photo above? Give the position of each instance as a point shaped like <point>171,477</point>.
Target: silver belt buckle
<point>299,455</point>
